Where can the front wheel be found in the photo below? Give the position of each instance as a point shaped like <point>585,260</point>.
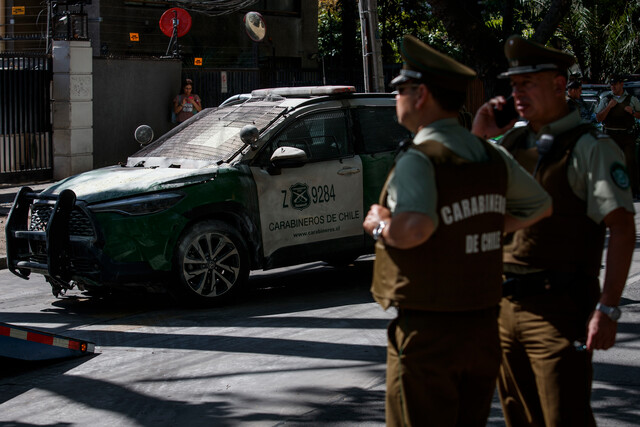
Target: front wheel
<point>211,263</point>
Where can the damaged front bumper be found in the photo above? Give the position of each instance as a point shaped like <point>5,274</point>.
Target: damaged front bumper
<point>43,248</point>
<point>56,236</point>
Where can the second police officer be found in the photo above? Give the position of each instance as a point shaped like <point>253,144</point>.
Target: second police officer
<point>618,111</point>
<point>553,313</point>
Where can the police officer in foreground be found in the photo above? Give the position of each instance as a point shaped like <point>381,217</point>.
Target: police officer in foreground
<point>554,314</point>
<point>438,228</point>
<point>618,110</point>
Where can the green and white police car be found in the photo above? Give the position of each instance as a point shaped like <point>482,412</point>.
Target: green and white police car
<point>283,178</point>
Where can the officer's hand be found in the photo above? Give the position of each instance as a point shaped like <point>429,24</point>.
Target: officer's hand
<point>612,103</point>
<point>484,123</point>
<point>628,109</point>
<point>601,332</point>
<point>376,214</point>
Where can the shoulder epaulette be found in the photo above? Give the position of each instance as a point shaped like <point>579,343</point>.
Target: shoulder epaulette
<point>513,138</point>
<point>404,145</point>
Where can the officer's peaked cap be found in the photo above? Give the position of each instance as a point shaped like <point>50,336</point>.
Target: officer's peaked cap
<point>526,56</point>
<point>424,63</point>
<point>574,84</point>
<point>615,78</point>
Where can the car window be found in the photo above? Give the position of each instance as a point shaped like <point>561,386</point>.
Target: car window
<point>379,129</point>
<point>323,136</point>
<point>633,88</point>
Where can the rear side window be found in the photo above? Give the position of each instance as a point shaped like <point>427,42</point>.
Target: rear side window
<point>379,129</point>
<point>633,89</point>
<point>323,136</point>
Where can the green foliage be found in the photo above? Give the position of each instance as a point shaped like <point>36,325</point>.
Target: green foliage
<point>399,17</point>
<point>330,28</point>
<point>395,18</point>
<point>622,43</point>
<point>604,35</point>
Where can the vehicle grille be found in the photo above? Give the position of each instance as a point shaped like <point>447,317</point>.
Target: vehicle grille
<point>79,223</point>
<point>78,265</point>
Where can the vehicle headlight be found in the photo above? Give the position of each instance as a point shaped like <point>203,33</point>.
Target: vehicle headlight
<point>140,205</point>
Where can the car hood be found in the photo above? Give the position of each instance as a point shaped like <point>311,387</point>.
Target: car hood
<point>115,182</point>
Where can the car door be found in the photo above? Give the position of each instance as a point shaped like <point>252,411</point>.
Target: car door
<point>378,136</point>
<point>306,210</point>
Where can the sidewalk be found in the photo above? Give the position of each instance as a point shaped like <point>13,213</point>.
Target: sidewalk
<point>7,196</point>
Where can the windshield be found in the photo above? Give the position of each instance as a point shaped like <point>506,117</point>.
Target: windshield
<point>210,136</point>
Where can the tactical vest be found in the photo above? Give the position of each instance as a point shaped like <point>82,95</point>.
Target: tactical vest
<point>617,118</point>
<point>459,267</point>
<point>567,241</point>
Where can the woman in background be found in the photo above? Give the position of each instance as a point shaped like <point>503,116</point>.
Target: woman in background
<point>186,104</point>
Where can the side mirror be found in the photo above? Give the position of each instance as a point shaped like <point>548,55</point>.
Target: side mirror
<point>249,135</point>
<point>289,157</point>
<point>143,134</point>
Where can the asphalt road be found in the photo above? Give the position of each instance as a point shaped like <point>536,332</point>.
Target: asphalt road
<point>306,346</point>
<point>300,348</point>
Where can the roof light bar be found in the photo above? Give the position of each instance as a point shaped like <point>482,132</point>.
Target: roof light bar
<point>302,91</point>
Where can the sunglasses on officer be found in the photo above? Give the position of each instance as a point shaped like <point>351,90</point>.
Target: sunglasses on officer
<point>403,88</point>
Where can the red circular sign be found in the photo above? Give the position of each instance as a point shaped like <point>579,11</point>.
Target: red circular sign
<point>184,21</point>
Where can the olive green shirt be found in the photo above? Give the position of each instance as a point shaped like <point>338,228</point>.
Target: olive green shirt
<point>591,166</point>
<point>412,186</point>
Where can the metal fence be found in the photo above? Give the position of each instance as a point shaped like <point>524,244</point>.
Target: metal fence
<point>214,86</point>
<point>25,117</point>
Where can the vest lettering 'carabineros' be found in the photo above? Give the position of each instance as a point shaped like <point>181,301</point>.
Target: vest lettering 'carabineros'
<point>475,205</point>
<point>568,241</point>
<point>459,268</point>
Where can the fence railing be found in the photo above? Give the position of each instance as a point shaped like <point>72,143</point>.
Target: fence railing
<point>25,117</point>
<point>214,86</point>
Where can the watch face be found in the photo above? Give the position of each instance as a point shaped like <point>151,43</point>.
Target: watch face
<point>615,313</point>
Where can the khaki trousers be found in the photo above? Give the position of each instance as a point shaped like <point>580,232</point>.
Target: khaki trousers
<point>544,379</point>
<point>441,368</point>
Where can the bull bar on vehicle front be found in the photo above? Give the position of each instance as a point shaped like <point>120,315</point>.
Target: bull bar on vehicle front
<point>56,237</point>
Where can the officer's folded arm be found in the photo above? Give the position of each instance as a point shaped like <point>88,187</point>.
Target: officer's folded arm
<point>512,223</point>
<point>407,230</point>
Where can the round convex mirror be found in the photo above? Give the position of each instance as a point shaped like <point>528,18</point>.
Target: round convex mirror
<point>255,27</point>
<point>144,134</point>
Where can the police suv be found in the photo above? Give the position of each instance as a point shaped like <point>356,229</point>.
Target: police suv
<point>283,177</point>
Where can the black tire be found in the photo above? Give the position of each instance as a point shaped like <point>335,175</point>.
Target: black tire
<point>211,263</point>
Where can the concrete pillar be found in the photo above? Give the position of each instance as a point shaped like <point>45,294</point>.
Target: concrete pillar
<point>72,107</point>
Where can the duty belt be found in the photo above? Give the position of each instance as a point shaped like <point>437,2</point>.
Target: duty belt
<point>610,131</point>
<point>525,285</point>
<point>408,312</point>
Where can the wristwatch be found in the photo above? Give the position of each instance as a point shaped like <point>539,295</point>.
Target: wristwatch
<point>377,232</point>
<point>613,312</point>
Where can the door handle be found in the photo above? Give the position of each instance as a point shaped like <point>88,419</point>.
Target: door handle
<point>348,171</point>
